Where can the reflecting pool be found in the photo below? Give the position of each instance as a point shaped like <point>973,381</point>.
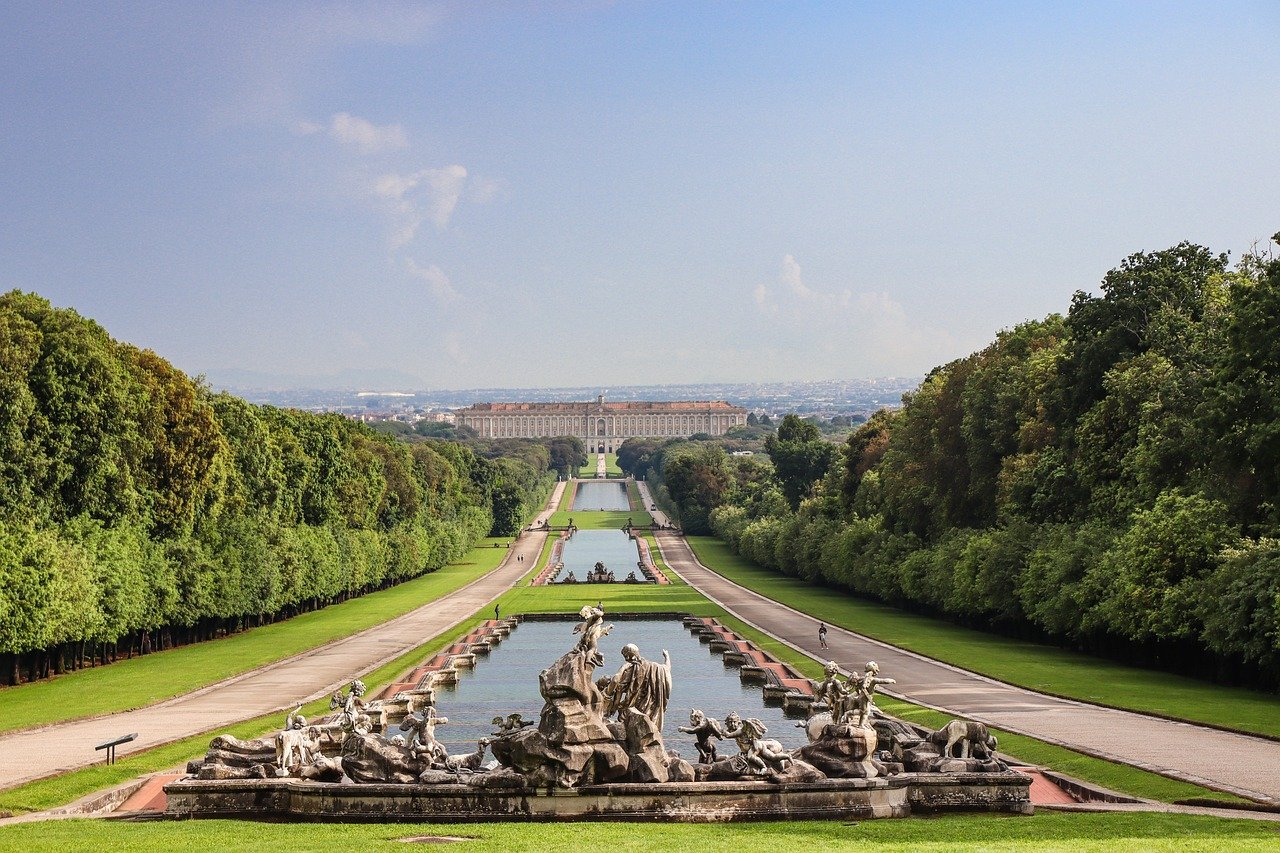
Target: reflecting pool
<point>606,495</point>
<point>585,548</point>
<point>506,681</point>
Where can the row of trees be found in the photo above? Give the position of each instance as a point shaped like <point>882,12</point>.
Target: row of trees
<point>1109,479</point>
<point>139,510</point>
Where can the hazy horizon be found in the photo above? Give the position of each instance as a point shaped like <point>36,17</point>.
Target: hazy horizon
<point>532,195</point>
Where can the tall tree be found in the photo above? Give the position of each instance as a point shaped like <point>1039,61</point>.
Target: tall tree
<point>800,457</point>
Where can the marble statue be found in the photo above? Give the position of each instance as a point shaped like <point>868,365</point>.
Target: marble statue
<point>592,628</point>
<point>862,693</point>
<point>704,728</point>
<point>640,686</point>
<point>832,692</point>
<point>758,754</point>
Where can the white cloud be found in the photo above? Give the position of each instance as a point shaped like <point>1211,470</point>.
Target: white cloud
<point>365,135</point>
<point>361,133</point>
<point>792,279</point>
<point>870,327</point>
<point>428,193</point>
<point>437,282</point>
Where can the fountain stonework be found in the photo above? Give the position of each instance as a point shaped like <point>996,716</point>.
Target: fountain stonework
<point>596,751</point>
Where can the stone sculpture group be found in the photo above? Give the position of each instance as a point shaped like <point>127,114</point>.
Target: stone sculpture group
<point>598,731</point>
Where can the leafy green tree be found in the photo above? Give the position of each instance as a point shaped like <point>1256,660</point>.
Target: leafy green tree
<point>800,457</point>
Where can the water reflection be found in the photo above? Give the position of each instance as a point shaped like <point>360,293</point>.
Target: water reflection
<point>610,496</point>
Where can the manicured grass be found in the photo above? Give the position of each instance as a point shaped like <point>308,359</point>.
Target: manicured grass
<point>1091,833</point>
<point>588,471</point>
<point>596,520</point>
<point>1039,667</point>
<point>144,680</point>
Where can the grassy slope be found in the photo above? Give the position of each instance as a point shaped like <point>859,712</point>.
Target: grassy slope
<point>1032,665</point>
<point>596,520</point>
<point>162,675</point>
<point>1045,832</point>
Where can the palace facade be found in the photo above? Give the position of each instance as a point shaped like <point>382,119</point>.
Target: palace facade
<point>602,426</point>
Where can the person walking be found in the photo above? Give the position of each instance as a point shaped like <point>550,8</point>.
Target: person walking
<point>822,634</point>
<point>497,611</point>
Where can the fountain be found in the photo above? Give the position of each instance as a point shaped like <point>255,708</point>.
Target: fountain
<point>596,750</point>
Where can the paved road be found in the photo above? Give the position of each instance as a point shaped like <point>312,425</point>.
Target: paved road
<point>36,753</point>
<point>1240,764</point>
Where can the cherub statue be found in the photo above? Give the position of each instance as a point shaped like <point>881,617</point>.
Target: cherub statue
<point>758,754</point>
<point>862,691</point>
<point>423,745</point>
<point>832,692</point>
<point>352,719</point>
<point>704,728</point>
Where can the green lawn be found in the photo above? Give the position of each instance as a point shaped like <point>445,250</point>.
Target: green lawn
<point>144,680</point>
<point>1041,833</point>
<point>596,520</point>
<point>611,468</point>
<point>1033,665</point>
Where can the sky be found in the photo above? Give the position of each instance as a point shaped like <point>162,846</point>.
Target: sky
<point>461,195</point>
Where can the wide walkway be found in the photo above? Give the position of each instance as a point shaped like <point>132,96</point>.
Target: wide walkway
<point>36,753</point>
<point>1240,764</point>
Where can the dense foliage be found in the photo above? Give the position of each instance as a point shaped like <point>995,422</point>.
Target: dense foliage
<point>138,509</point>
<point>1109,479</point>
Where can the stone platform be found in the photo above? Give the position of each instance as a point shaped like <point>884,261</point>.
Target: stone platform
<point>687,802</point>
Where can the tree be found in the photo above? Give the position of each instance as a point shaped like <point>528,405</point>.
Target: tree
<point>800,457</point>
<point>567,455</point>
<point>697,478</point>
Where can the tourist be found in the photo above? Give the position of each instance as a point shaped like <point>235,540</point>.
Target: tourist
<point>822,634</point>
<point>497,611</point>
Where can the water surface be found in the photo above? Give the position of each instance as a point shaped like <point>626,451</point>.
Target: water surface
<point>598,495</point>
<point>614,548</point>
<point>506,681</point>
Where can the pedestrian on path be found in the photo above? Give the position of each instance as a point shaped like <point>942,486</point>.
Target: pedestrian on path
<point>822,634</point>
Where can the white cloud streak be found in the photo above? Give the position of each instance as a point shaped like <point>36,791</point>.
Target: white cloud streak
<point>868,327</point>
<point>426,194</point>
<point>357,132</point>
<point>437,282</point>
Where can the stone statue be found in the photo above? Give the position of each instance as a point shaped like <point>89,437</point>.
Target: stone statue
<point>512,724</point>
<point>704,728</point>
<point>757,754</point>
<point>832,692</point>
<point>863,691</point>
<point>298,745</point>
<point>640,686</point>
<point>423,745</point>
<point>592,628</point>
<point>964,739</point>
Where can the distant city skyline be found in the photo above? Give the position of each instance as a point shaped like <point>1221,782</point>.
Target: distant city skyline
<point>442,195</point>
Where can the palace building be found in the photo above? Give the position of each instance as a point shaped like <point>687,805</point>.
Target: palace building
<point>602,426</point>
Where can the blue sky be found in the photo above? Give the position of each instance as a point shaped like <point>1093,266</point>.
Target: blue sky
<point>467,194</point>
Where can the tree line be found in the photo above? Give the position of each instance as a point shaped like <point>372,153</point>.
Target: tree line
<point>140,510</point>
<point>1108,479</point>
